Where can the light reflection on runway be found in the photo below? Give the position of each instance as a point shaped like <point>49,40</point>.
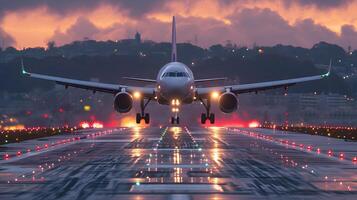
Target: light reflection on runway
<point>160,163</point>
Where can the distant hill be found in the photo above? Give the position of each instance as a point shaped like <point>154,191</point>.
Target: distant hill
<point>110,60</point>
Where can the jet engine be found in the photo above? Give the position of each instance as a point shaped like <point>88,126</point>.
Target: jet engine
<point>228,102</point>
<point>123,102</point>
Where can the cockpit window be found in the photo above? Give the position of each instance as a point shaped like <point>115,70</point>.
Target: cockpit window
<point>175,74</point>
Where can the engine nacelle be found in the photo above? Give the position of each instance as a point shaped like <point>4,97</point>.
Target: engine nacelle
<point>123,102</point>
<point>228,102</point>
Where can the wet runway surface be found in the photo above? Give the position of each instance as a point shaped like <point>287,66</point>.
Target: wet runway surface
<point>176,163</point>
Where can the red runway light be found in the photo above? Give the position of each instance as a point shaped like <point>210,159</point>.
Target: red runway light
<point>18,153</point>
<point>318,150</point>
<point>329,152</point>
<point>342,155</point>
<point>7,156</point>
<point>355,159</point>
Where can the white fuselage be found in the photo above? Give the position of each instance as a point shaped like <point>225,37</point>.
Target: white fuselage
<point>175,81</point>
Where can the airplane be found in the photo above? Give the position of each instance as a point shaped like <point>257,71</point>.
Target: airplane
<point>175,85</point>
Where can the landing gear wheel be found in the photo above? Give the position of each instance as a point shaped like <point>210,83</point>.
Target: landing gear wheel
<point>138,118</point>
<point>211,118</point>
<point>147,118</point>
<point>208,115</point>
<point>177,120</point>
<point>203,118</point>
<point>172,120</point>
<point>143,115</point>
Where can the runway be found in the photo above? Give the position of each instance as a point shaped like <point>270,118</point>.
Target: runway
<point>179,163</point>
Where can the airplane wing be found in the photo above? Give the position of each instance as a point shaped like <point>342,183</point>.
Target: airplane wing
<point>140,79</point>
<point>209,80</point>
<point>147,92</point>
<point>204,93</point>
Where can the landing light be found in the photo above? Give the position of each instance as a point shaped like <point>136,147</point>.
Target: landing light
<point>214,95</point>
<point>175,102</point>
<point>137,95</point>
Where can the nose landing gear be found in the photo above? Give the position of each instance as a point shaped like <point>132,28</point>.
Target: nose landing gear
<point>175,120</point>
<point>208,115</point>
<point>143,115</point>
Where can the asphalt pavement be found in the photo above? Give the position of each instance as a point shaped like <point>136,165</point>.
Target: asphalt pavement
<point>178,163</point>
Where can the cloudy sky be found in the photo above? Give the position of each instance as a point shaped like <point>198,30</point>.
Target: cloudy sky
<point>30,23</point>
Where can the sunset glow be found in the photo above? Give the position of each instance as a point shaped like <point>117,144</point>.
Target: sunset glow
<point>238,21</point>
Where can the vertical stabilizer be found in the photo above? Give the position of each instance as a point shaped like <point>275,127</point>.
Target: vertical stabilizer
<point>173,41</point>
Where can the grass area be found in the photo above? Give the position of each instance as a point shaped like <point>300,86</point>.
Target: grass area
<point>347,133</point>
<point>15,136</point>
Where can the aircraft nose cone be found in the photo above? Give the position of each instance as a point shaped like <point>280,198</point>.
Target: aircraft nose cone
<point>177,89</point>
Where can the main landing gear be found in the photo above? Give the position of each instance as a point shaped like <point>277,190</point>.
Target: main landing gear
<point>208,115</point>
<point>143,115</point>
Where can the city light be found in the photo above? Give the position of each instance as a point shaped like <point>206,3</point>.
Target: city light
<point>14,127</point>
<point>87,108</point>
<point>84,125</point>
<point>97,125</point>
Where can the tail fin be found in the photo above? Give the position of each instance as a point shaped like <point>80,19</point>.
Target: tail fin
<point>173,42</point>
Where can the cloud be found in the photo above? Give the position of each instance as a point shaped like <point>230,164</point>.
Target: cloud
<point>266,27</point>
<point>265,22</point>
<point>83,28</point>
<point>322,4</point>
<point>135,8</point>
<point>348,36</point>
<point>307,32</point>
<point>208,31</point>
<point>261,26</point>
<point>5,39</point>
<point>249,26</point>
